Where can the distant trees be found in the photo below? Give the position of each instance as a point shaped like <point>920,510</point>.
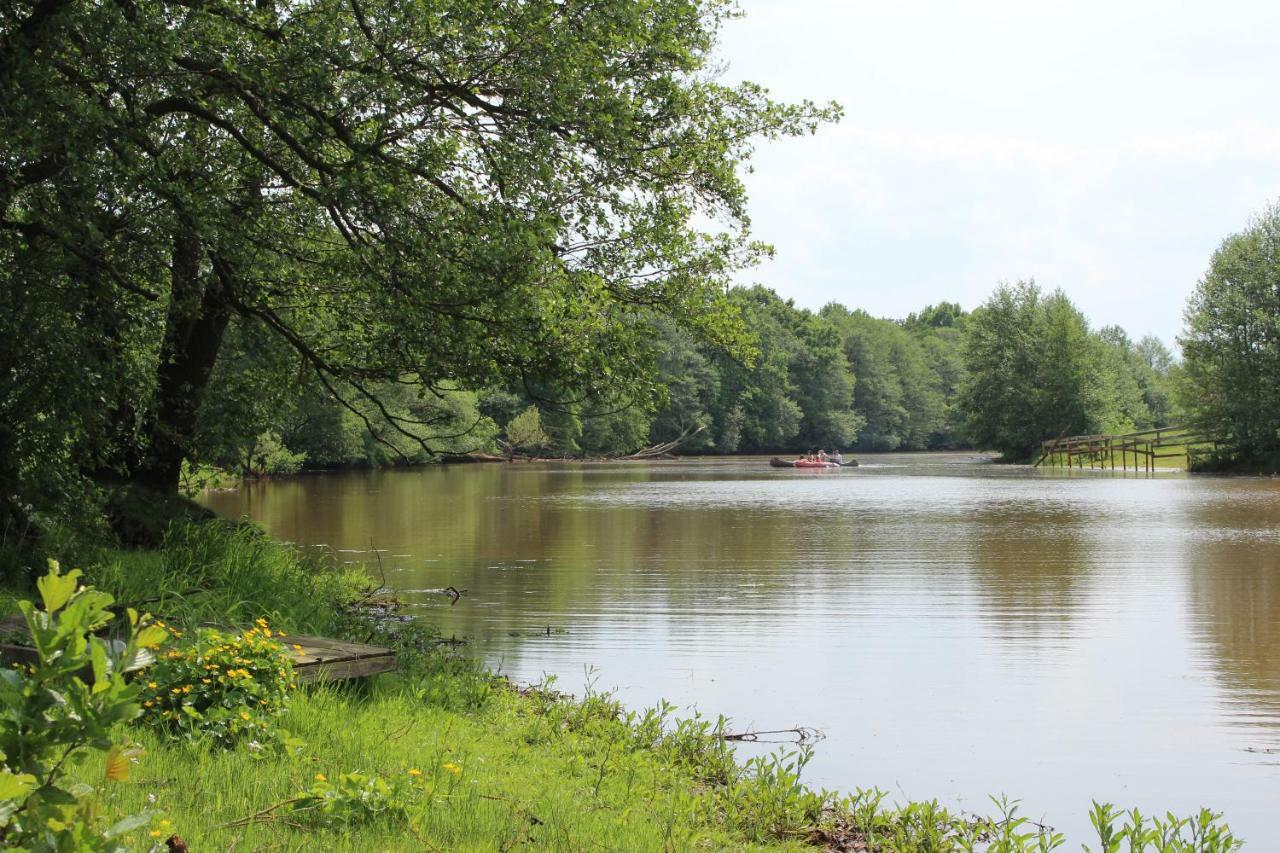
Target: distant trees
<point>1033,371</point>
<point>1037,371</point>
<point>906,375</point>
<point>1231,346</point>
<point>1023,367</point>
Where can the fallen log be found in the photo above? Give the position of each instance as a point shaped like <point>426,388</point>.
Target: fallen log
<point>662,450</point>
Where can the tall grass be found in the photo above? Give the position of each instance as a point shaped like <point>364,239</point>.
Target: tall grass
<point>226,573</point>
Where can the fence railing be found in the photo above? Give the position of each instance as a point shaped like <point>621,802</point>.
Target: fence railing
<point>1144,447</point>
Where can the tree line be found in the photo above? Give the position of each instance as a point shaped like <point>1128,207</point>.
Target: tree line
<point>1022,366</point>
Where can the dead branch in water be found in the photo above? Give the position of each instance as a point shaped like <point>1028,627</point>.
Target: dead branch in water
<point>799,734</point>
<point>659,451</point>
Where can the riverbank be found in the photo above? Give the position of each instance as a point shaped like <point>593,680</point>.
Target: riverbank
<point>442,755</point>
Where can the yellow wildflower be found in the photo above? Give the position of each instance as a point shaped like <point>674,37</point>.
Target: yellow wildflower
<point>155,833</point>
<point>415,772</point>
<point>320,777</point>
<point>452,768</point>
<point>152,685</point>
<point>244,715</point>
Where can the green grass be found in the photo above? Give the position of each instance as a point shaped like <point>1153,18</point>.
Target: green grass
<point>230,574</point>
<point>525,778</point>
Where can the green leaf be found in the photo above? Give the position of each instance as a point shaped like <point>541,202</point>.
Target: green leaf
<point>128,824</point>
<point>101,668</point>
<point>151,636</point>
<point>15,785</point>
<point>56,589</point>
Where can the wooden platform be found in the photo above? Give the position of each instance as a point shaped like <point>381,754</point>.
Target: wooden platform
<point>320,658</point>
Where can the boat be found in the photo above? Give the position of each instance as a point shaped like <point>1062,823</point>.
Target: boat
<point>805,463</point>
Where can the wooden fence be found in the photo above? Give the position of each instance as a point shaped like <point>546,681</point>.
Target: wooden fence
<point>1101,451</point>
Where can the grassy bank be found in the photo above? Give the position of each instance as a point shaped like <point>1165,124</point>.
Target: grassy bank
<point>444,756</point>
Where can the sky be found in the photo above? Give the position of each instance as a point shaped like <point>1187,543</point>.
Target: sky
<point>1102,148</point>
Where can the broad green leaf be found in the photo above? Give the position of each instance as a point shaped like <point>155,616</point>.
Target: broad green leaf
<point>56,589</point>
<point>15,785</point>
<point>128,824</point>
<point>151,636</point>
<point>101,668</point>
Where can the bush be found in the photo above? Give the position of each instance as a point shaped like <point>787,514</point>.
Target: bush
<point>225,687</point>
<point>52,717</point>
<point>356,798</point>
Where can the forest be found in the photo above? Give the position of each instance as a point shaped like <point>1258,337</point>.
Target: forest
<point>942,378</point>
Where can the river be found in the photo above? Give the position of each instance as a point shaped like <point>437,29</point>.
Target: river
<point>955,628</point>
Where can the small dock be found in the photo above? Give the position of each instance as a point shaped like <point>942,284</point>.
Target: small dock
<point>314,658</point>
<point>323,659</point>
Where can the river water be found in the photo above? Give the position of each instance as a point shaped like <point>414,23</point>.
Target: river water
<point>955,628</point>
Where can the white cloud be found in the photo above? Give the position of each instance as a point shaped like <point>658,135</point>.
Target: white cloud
<point>1106,151</point>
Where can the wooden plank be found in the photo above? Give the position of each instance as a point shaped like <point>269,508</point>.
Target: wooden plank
<point>340,669</point>
<point>326,659</point>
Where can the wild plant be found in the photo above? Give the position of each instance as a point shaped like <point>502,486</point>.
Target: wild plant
<point>768,800</point>
<point>1203,832</point>
<point>225,687</point>
<point>69,703</point>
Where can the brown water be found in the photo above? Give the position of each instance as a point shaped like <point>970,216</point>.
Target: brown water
<point>956,628</point>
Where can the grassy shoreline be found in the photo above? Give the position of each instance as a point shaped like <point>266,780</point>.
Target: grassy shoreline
<point>442,755</point>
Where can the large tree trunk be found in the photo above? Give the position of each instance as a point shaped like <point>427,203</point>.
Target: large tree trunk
<point>197,318</point>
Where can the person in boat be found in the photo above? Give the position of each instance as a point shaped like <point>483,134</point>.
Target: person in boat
<point>839,457</point>
<point>822,455</point>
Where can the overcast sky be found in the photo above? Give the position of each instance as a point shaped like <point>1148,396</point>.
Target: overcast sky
<point>1104,148</point>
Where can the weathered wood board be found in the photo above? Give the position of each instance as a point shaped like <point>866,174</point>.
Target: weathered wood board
<point>323,659</point>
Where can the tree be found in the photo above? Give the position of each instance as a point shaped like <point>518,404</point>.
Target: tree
<point>691,384</point>
<point>1127,378</point>
<point>896,392</point>
<point>1034,372</point>
<point>1231,346</point>
<point>525,432</point>
<point>458,192</point>
<point>797,391</point>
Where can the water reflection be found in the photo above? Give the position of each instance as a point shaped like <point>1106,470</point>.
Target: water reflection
<point>1235,599</point>
<point>956,628</point>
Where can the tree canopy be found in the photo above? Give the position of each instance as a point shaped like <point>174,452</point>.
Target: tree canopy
<point>1231,346</point>
<point>429,195</point>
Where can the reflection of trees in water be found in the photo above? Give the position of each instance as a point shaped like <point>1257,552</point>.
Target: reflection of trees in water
<point>614,562</point>
<point>536,544</point>
<point>1235,596</point>
<point>1030,567</point>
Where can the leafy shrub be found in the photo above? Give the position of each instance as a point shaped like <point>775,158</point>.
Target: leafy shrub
<point>356,799</point>
<point>224,686</point>
<point>51,717</point>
